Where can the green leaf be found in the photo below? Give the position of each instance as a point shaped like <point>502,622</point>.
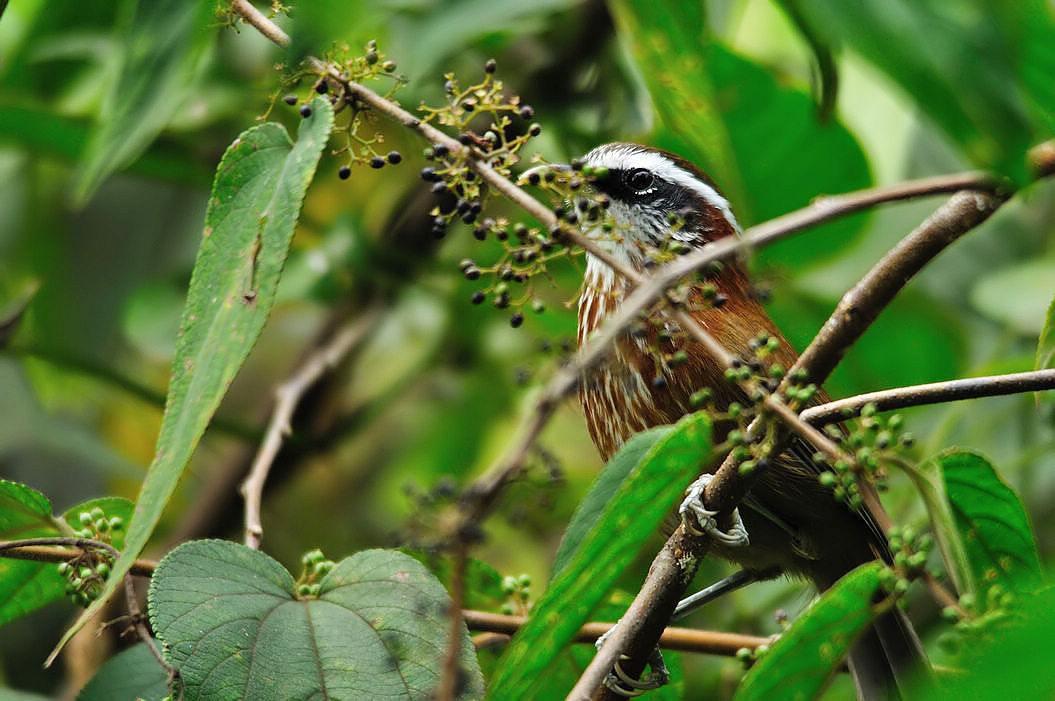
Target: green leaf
<point>980,70</point>
<point>806,656</point>
<point>667,39</point>
<point>163,46</point>
<point>130,674</point>
<point>929,481</point>
<point>1018,296</point>
<point>111,507</point>
<point>1013,664</point>
<point>25,586</point>
<point>44,132</point>
<point>231,623</point>
<point>483,583</point>
<point>253,208</point>
<point>761,141</point>
<point>634,513</point>
<point>992,522</point>
<point>603,490</point>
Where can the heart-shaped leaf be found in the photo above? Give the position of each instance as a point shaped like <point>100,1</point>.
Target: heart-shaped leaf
<point>231,622</point>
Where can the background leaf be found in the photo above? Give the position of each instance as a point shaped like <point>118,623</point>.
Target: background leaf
<point>758,139</point>
<point>988,108</point>
<point>132,673</point>
<point>230,621</point>
<point>256,198</point>
<point>161,59</point>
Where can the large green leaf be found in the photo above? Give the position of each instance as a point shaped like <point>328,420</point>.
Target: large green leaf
<point>809,653</point>
<point>26,586</point>
<point>760,141</point>
<point>253,208</point>
<point>161,56</point>
<point>231,623</point>
<point>634,513</point>
<point>1011,662</point>
<point>980,70</point>
<point>992,522</point>
<point>602,491</point>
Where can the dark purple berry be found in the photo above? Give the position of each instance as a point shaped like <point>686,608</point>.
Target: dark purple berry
<point>527,112</point>
<point>478,297</point>
<point>305,111</point>
<point>490,66</point>
<point>290,99</point>
<point>394,157</point>
<point>344,172</point>
<point>321,87</point>
<point>516,320</point>
<point>535,129</point>
<point>377,162</point>
<point>428,174</point>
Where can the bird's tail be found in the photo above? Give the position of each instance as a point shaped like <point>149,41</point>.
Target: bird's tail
<point>886,659</point>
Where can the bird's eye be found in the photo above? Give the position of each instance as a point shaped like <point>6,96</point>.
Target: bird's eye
<point>640,180</point>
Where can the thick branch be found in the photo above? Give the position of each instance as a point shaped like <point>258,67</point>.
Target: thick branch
<point>931,393</point>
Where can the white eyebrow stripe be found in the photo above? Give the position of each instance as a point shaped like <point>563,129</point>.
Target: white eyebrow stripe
<point>629,156</point>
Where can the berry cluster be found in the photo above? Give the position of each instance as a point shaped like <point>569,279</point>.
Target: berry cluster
<point>345,67</point>
<point>86,573</point>
<point>316,566</point>
<point>518,593</point>
<point>873,443</point>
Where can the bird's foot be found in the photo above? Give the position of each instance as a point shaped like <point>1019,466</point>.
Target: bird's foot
<point>699,520</point>
<point>623,684</point>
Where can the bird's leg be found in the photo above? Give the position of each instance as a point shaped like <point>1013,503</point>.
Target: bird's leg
<point>699,520</point>
<point>735,581</point>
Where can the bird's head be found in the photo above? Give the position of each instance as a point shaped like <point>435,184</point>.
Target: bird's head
<point>656,198</point>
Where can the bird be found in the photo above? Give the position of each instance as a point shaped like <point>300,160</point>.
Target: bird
<point>657,201</point>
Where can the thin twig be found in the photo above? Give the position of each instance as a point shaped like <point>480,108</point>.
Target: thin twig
<point>17,548</point>
<point>20,550</point>
<point>287,397</point>
<point>931,393</point>
<point>684,639</point>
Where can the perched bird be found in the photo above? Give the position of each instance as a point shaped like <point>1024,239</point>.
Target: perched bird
<point>795,525</point>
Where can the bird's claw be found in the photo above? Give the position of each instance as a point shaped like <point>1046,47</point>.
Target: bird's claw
<point>623,684</point>
<point>699,520</point>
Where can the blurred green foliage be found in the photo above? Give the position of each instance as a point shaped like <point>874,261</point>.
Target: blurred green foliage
<point>105,191</point>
